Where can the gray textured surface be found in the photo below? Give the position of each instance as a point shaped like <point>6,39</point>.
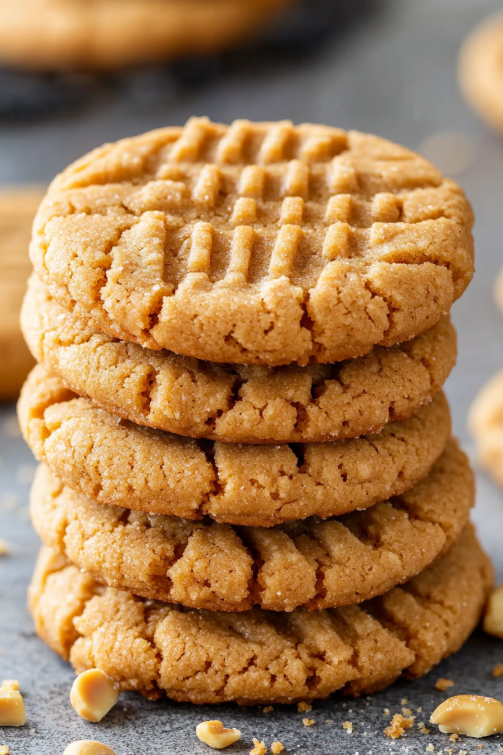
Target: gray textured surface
<point>394,75</point>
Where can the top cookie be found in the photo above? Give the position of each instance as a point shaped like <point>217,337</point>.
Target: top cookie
<point>61,34</point>
<point>255,243</point>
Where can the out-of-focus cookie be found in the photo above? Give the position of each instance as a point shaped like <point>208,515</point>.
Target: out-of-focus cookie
<point>481,71</point>
<point>312,563</point>
<point>486,424</point>
<point>206,656</point>
<point>257,243</point>
<point>116,462</point>
<point>18,207</point>
<point>63,34</point>
<point>238,403</point>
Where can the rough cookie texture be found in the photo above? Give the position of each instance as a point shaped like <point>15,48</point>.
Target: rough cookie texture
<point>17,210</point>
<point>480,71</point>
<point>486,424</point>
<point>260,656</point>
<point>238,403</point>
<point>314,563</point>
<point>114,461</point>
<point>255,243</point>
<point>61,34</point>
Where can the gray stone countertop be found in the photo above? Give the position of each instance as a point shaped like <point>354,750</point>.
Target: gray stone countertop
<point>394,74</point>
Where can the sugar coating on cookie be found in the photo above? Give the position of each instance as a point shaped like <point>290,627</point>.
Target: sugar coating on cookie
<point>258,656</point>
<point>116,462</point>
<point>103,34</point>
<point>312,563</point>
<point>238,403</point>
<point>259,243</point>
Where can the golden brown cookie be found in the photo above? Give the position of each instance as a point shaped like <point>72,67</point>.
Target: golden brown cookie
<point>18,207</point>
<point>61,34</point>
<point>116,462</point>
<point>238,403</point>
<point>481,71</point>
<point>259,656</point>
<point>313,563</point>
<point>257,243</point>
<point>486,424</point>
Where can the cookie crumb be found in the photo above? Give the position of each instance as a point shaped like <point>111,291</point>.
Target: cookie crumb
<point>404,701</point>
<point>4,750</point>
<point>4,548</point>
<point>398,726</point>
<point>454,737</point>
<point>498,670</point>
<point>443,684</point>
<point>304,708</point>
<point>406,711</point>
<point>422,728</point>
<point>308,721</point>
<point>480,746</point>
<point>268,709</point>
<point>259,748</point>
<point>430,748</point>
<point>276,748</point>
<point>348,726</point>
<point>419,710</point>
<point>386,712</point>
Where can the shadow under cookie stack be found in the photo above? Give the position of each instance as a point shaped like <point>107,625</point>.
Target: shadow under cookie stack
<point>248,487</point>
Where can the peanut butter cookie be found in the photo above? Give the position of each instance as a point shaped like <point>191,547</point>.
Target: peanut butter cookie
<point>18,207</point>
<point>257,243</point>
<point>61,34</point>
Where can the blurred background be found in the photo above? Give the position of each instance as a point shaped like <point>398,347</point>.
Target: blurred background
<point>384,66</point>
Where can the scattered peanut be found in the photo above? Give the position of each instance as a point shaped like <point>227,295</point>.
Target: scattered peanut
<point>443,684</point>
<point>304,707</point>
<point>88,747</point>
<point>94,694</point>
<point>259,748</point>
<point>214,734</point>
<point>12,711</point>
<point>471,715</point>
<point>398,726</point>
<point>493,620</point>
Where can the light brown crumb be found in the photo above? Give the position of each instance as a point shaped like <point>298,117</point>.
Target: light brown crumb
<point>406,711</point>
<point>4,750</point>
<point>276,748</point>
<point>398,726</point>
<point>329,721</point>
<point>419,710</point>
<point>268,709</point>
<point>404,701</point>
<point>304,708</point>
<point>498,670</point>
<point>422,728</point>
<point>386,712</point>
<point>454,737</point>
<point>430,748</point>
<point>308,721</point>
<point>4,548</point>
<point>443,684</point>
<point>259,748</point>
<point>480,746</point>
<point>348,726</point>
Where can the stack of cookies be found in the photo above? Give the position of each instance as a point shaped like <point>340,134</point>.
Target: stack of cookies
<point>248,487</point>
